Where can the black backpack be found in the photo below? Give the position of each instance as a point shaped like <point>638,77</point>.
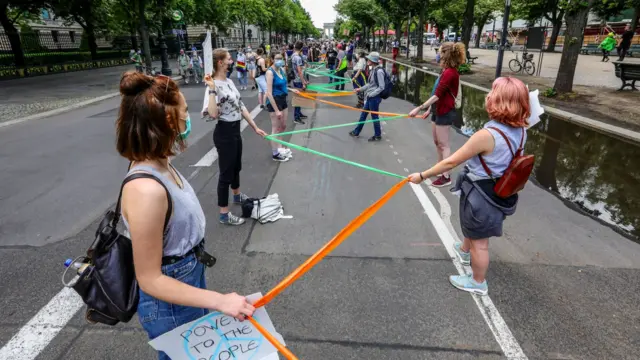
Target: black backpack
<point>388,84</point>
<point>291,73</point>
<point>108,284</point>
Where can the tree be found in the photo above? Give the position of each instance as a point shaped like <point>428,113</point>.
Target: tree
<point>362,11</point>
<point>551,10</point>
<point>576,14</point>
<point>15,12</point>
<point>485,10</point>
<point>91,15</point>
<point>244,12</point>
<point>467,23</point>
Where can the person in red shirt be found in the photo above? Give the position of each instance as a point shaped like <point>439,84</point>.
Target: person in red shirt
<point>441,104</point>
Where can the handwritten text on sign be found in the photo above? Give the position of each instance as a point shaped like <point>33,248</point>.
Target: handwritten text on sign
<point>220,337</point>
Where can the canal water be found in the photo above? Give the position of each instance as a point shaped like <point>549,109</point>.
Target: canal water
<point>594,173</point>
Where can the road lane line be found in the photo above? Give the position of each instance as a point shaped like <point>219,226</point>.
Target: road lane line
<point>36,334</point>
<point>492,317</point>
<point>43,327</point>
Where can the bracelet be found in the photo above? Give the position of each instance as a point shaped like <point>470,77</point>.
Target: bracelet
<point>421,177</point>
<point>213,92</point>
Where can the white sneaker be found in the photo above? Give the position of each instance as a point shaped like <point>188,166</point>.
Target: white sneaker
<point>285,152</point>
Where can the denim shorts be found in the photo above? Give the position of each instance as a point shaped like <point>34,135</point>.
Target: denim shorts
<point>158,317</point>
<point>445,119</point>
<point>478,218</point>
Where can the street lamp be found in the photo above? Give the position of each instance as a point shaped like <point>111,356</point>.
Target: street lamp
<point>503,38</point>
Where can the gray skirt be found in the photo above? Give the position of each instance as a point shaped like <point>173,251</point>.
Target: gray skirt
<point>479,219</point>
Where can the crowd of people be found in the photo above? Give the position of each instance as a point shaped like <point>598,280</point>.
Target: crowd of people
<point>154,125</point>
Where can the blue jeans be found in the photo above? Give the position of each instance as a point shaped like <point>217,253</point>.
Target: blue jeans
<point>156,316</point>
<point>331,68</point>
<point>242,78</point>
<point>372,104</point>
<point>296,109</point>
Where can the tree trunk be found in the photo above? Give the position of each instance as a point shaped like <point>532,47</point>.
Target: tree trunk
<point>573,37</point>
<point>91,39</point>
<point>482,23</point>
<point>14,38</point>
<point>634,18</point>
<point>420,29</point>
<point>144,34</point>
<point>385,28</point>
<point>134,39</point>
<point>555,31</point>
<point>397,26</point>
<point>467,23</point>
<point>242,28</point>
<point>373,34</point>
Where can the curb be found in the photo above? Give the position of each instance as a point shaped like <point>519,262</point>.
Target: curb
<point>592,124</point>
<point>65,108</point>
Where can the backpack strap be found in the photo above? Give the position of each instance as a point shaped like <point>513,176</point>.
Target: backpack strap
<point>484,164</point>
<point>142,175</point>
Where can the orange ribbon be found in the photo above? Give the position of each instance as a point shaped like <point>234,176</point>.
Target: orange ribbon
<point>283,350</point>
<point>312,97</point>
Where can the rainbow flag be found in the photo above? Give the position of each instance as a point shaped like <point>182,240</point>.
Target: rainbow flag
<point>241,66</point>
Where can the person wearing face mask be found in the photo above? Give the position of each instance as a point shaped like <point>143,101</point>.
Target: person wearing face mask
<point>183,63</point>
<point>251,67</point>
<point>277,103</point>
<point>372,90</point>
<point>152,126</point>
<point>196,64</point>
<point>241,69</point>
<point>223,103</point>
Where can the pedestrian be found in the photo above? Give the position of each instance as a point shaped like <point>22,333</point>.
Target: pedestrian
<point>183,63</point>
<point>153,124</point>
<point>332,56</point>
<point>607,46</point>
<point>359,78</point>
<point>261,81</point>
<point>482,212</point>
<point>251,67</point>
<point>341,68</point>
<point>288,53</point>
<point>441,104</point>
<point>350,48</point>
<point>395,48</point>
<point>196,64</point>
<point>625,44</point>
<point>375,85</point>
<point>267,49</point>
<point>241,69</point>
<point>299,82</point>
<point>224,103</point>
<point>136,58</point>
<point>277,104</point>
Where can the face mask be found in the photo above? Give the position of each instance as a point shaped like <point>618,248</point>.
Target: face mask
<point>279,63</point>
<point>184,135</point>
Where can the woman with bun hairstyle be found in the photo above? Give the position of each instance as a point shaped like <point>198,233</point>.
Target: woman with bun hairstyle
<point>482,211</point>
<point>224,103</point>
<point>153,125</point>
<point>441,104</point>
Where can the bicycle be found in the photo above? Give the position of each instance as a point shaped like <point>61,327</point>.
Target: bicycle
<point>526,64</point>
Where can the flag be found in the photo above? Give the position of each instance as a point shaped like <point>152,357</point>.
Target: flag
<point>208,54</point>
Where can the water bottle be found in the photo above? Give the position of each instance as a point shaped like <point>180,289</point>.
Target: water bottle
<point>79,266</point>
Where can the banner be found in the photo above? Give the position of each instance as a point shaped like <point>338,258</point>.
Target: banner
<point>208,54</point>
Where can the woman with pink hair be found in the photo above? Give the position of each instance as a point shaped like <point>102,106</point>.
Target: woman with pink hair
<point>487,154</point>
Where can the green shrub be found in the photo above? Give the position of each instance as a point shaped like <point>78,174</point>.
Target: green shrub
<point>63,57</point>
<point>550,92</point>
<point>464,68</point>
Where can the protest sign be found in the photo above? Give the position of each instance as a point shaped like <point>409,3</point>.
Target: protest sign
<point>536,109</point>
<point>207,51</point>
<point>220,337</point>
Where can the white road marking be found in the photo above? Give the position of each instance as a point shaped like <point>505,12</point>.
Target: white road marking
<point>43,327</point>
<point>492,317</point>
<point>391,146</point>
<point>210,157</point>
<point>35,335</point>
<point>395,153</point>
<point>400,161</point>
<point>406,170</point>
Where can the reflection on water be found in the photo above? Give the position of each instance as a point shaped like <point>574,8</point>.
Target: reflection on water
<point>592,171</point>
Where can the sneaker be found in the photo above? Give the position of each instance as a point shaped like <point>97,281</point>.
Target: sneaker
<point>465,257</point>
<point>240,198</point>
<point>375,138</point>
<point>353,133</point>
<point>261,106</point>
<point>285,152</point>
<point>230,219</point>
<point>280,157</point>
<point>299,121</point>
<point>466,283</point>
<point>441,181</point>
<point>303,116</point>
<point>253,87</point>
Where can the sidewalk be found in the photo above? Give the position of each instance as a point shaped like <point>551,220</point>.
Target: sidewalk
<point>24,97</point>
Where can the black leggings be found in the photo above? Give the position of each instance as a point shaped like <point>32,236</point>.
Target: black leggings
<point>228,142</point>
<point>340,73</point>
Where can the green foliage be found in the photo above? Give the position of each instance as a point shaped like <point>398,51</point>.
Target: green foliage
<point>550,92</point>
<point>464,68</point>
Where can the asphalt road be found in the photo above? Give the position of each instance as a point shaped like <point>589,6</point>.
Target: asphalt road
<point>565,285</point>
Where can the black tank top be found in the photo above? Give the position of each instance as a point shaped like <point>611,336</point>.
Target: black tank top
<point>259,71</point>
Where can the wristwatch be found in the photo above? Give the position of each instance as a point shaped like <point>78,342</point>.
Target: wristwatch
<point>421,177</point>
<point>213,92</point>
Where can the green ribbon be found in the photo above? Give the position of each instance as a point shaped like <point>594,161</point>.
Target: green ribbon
<point>338,126</point>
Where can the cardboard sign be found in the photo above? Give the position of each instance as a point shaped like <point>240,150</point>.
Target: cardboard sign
<point>220,337</point>
<point>303,102</point>
<point>536,109</point>
<point>207,51</point>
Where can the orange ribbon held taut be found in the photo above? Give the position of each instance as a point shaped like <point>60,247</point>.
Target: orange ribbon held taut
<point>281,348</point>
<point>330,246</point>
<point>313,97</point>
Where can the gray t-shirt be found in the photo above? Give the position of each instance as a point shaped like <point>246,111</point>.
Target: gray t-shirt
<point>297,62</point>
<point>229,101</point>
